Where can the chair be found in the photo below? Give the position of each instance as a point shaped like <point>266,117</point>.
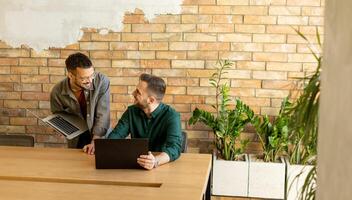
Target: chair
<point>184,142</point>
<point>17,140</point>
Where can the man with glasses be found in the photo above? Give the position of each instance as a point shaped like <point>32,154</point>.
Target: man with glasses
<point>84,93</point>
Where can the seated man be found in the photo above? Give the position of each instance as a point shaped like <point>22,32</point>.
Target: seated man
<point>150,118</point>
<point>84,93</point>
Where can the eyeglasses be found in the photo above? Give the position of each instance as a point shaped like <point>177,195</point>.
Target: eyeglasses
<point>91,77</point>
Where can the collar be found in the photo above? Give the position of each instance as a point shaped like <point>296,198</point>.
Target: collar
<point>155,112</point>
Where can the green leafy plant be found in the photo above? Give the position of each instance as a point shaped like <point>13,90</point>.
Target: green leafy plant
<point>227,124</point>
<point>273,136</point>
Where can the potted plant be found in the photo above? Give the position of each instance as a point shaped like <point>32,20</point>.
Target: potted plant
<point>230,165</point>
<point>303,126</point>
<point>267,171</point>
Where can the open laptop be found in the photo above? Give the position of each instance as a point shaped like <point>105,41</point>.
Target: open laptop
<point>70,126</point>
<point>119,153</point>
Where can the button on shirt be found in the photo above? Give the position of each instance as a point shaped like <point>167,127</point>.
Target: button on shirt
<point>97,99</point>
<point>163,128</point>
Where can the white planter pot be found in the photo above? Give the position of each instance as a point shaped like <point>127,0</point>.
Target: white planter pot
<point>266,180</point>
<point>230,178</point>
<point>296,175</point>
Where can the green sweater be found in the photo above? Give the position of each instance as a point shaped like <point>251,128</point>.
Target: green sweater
<point>163,128</point>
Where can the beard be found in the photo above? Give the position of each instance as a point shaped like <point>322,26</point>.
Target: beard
<point>84,85</point>
<point>141,104</point>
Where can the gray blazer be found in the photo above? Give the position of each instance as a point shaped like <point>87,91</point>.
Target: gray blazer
<point>98,103</point>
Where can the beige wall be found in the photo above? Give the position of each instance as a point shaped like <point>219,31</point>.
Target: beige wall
<point>182,48</point>
<point>335,131</point>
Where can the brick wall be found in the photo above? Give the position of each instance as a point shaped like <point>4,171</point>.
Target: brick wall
<point>257,34</point>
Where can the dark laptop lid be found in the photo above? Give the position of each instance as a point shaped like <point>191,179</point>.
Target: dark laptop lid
<point>119,153</point>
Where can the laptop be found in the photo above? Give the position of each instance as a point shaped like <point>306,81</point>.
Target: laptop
<point>70,126</point>
<point>119,153</point>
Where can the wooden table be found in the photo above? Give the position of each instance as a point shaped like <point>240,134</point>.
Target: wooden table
<point>52,174</point>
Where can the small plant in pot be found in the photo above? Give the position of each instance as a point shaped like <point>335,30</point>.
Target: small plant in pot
<point>230,173</point>
<point>227,123</point>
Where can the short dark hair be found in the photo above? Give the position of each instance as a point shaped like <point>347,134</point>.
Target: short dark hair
<point>156,85</point>
<point>77,60</point>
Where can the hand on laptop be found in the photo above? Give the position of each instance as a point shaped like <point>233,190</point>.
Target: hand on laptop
<point>147,161</point>
<point>89,148</point>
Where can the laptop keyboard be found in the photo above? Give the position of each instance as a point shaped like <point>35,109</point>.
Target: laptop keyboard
<point>63,125</point>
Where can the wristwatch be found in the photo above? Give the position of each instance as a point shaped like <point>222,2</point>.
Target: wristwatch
<point>156,163</point>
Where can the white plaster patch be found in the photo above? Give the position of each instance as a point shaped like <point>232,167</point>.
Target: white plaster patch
<point>41,24</point>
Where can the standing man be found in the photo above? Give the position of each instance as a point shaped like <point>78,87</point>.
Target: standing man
<point>84,93</point>
<point>150,118</point>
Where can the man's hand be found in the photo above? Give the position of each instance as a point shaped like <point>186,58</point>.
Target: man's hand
<point>147,161</point>
<point>89,148</point>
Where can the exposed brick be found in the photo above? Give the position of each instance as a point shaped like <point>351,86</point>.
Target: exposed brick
<point>110,71</point>
<point>303,3</point>
<point>271,93</point>
<point>45,54</point>
<point>284,10</point>
<point>140,55</point>
<point>187,99</point>
<point>280,48</point>
<point>245,28</point>
<point>6,87</point>
<point>12,129</point>
<point>106,37</point>
<point>23,121</point>
<point>14,53</point>
<point>153,46</point>
<point>281,29</point>
<point>108,54</point>
<point>124,80</point>
<point>316,21</point>
<point>269,111</point>
<point>277,57</point>
<point>123,46</point>
<point>94,45</point>
<point>20,104</point>
<point>293,20</point>
<point>200,73</point>
<point>242,92</point>
<point>312,11</point>
<point>183,81</point>
<point>5,69</point>
<point>52,71</point>
<point>66,53</point>
<point>123,98</point>
<point>4,120</point>
<point>279,66</point>
<point>282,85</point>
<point>34,78</point>
<point>202,55</point>
<point>180,28</point>
<point>189,9</point>
<point>10,95</point>
<point>246,83</point>
<point>182,107</point>
<point>134,19</point>
<point>215,46</point>
<point>155,63</point>
<point>230,55</point>
<point>227,19</point>
<point>125,63</point>
<point>215,28</point>
<point>56,78</point>
<point>187,64</point>
<point>12,112</point>
<point>175,90</point>
<point>252,19</point>
<point>198,2</point>
<point>48,87</point>
<point>301,58</point>
<point>200,91</point>
<point>253,101</point>
<point>251,47</point>
<point>267,2</point>
<point>203,37</point>
<point>147,28</point>
<point>166,19</point>
<point>269,38</point>
<point>118,89</point>
<point>134,37</point>
<point>183,45</point>
<point>234,37</point>
<point>57,62</point>
<point>196,19</point>
<point>169,72</point>
<point>269,75</point>
<point>24,70</point>
<point>232,2</point>
<point>44,104</point>
<point>72,46</point>
<point>214,9</point>
<point>135,72</point>
<point>167,37</point>
<point>249,10</point>
<point>9,78</point>
<point>35,96</point>
<point>33,61</point>
<point>171,55</point>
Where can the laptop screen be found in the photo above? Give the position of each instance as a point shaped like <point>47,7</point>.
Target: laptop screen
<point>119,153</point>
